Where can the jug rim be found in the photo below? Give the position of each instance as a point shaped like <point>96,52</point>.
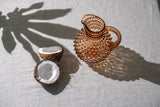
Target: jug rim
<point>92,15</point>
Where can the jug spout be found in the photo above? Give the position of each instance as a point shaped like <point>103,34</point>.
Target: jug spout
<point>93,25</point>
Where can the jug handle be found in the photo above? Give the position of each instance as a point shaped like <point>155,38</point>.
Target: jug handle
<point>116,31</point>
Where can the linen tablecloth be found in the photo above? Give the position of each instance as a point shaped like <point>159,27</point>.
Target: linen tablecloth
<point>131,79</point>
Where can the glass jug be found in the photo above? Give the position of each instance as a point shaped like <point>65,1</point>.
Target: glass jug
<point>93,43</point>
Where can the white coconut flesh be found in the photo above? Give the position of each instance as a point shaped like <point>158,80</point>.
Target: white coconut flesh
<point>47,72</point>
<point>50,50</point>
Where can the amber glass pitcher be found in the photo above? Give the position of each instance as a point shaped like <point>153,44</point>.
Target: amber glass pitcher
<point>93,43</point>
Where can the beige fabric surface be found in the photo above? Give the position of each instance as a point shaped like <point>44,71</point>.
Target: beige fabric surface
<point>132,78</point>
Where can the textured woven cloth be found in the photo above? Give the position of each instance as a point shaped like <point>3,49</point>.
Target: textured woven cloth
<point>130,78</point>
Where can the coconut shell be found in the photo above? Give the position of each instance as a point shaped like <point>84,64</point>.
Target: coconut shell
<point>34,74</point>
<point>53,57</point>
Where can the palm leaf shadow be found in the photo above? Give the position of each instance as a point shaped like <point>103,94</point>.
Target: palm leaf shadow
<point>18,24</point>
<point>27,46</point>
<point>8,40</point>
<point>48,14</point>
<point>58,30</point>
<point>33,6</point>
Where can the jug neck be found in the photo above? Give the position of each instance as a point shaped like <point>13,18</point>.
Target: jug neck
<point>93,34</point>
<point>93,25</point>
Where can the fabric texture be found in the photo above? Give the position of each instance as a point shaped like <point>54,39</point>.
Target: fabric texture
<point>131,77</point>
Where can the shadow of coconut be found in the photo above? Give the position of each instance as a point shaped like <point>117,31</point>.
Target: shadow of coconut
<point>124,64</point>
<point>59,86</point>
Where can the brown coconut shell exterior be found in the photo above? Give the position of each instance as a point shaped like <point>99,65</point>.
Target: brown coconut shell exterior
<point>34,74</point>
<point>56,57</point>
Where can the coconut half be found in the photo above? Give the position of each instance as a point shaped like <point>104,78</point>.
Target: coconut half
<point>53,53</point>
<point>46,72</point>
